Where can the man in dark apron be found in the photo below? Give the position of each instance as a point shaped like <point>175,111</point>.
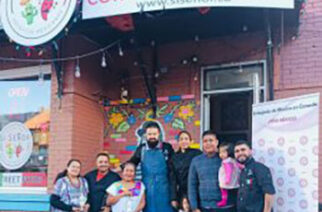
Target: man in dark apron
<point>157,170</point>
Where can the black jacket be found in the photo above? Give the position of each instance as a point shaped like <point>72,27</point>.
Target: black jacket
<point>168,153</point>
<point>97,189</point>
<point>57,203</point>
<point>181,163</point>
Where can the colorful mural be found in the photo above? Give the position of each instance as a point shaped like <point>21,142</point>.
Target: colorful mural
<point>124,126</point>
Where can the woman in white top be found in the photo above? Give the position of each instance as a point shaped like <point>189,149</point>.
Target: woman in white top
<point>126,195</point>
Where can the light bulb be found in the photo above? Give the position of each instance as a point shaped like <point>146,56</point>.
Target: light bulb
<point>121,53</point>
<point>77,69</point>
<point>41,77</point>
<point>103,64</point>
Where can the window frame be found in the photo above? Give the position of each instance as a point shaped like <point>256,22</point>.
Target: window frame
<point>16,73</point>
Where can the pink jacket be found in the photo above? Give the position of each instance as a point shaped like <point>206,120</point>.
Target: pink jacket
<point>229,174</point>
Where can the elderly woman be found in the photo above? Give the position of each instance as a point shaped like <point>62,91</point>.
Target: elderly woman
<point>71,190</point>
<point>127,195</point>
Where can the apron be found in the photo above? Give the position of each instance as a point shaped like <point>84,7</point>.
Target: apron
<point>155,179</point>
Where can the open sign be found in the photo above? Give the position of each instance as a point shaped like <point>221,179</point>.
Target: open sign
<point>18,92</point>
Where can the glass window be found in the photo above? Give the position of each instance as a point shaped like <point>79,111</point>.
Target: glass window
<point>232,77</point>
<point>24,131</point>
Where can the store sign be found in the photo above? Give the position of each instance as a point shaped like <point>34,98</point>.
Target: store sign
<point>16,144</point>
<point>103,8</point>
<point>26,179</point>
<point>34,22</point>
<point>286,139</point>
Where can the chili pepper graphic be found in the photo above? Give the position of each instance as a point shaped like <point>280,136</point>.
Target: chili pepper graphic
<point>45,8</point>
<point>18,150</point>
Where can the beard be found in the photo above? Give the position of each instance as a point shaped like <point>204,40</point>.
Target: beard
<point>152,143</point>
<point>243,161</point>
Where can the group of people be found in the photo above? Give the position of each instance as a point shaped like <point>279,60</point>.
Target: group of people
<point>222,178</point>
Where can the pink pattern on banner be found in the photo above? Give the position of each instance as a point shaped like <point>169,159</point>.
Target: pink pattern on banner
<point>261,142</point>
<point>291,192</point>
<point>292,151</point>
<point>304,161</point>
<point>281,141</point>
<point>315,173</point>
<point>303,183</point>
<point>280,181</point>
<point>303,204</point>
<point>303,140</point>
<point>281,161</point>
<point>291,172</point>
<point>271,151</point>
<point>280,201</point>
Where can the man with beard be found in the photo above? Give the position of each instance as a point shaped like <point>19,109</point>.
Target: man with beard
<point>98,181</point>
<point>256,190</point>
<point>157,170</point>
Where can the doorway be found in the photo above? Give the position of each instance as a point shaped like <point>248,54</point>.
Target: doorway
<point>228,93</point>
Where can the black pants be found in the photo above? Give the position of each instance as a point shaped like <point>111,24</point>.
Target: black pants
<point>219,210</point>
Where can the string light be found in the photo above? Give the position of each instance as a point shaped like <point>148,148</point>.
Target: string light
<point>121,53</point>
<point>41,75</point>
<point>77,69</point>
<point>27,60</point>
<point>103,63</point>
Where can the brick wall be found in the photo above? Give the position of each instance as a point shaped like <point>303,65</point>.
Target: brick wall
<point>300,62</point>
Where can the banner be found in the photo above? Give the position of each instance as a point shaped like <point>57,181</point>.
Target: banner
<point>103,8</point>
<point>286,139</point>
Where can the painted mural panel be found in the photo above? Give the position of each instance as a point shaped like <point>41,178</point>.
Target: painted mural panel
<point>124,124</point>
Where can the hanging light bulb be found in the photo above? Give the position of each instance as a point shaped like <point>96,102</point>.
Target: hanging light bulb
<point>103,63</point>
<point>77,69</point>
<point>41,75</point>
<point>121,53</point>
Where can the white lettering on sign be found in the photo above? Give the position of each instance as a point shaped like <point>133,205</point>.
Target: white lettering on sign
<point>18,92</point>
<point>11,179</point>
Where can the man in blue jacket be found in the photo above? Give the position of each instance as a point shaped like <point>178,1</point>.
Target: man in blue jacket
<point>203,186</point>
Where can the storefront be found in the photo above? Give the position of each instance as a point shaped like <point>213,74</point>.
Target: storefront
<point>194,70</point>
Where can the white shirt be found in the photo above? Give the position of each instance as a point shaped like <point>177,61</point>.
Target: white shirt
<point>126,203</point>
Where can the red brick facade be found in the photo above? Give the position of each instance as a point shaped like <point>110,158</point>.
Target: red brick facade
<point>77,122</point>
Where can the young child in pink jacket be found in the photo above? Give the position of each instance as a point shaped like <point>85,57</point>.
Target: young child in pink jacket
<point>228,173</point>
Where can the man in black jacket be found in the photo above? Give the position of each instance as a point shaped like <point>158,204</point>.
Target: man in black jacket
<point>98,181</point>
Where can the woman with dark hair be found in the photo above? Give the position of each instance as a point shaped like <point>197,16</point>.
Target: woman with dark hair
<point>127,195</point>
<point>71,190</point>
<point>181,163</point>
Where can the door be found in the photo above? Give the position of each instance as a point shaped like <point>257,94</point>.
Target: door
<point>228,94</point>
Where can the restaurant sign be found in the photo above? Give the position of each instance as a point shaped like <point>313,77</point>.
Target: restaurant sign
<point>103,8</point>
<point>34,22</point>
<point>16,144</point>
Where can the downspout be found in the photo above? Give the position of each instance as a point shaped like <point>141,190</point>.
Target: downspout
<point>59,71</point>
<point>269,54</point>
<point>149,85</point>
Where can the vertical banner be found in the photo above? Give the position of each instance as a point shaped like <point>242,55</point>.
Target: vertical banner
<point>286,139</point>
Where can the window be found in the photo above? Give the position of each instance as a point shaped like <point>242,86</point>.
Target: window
<point>24,127</point>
